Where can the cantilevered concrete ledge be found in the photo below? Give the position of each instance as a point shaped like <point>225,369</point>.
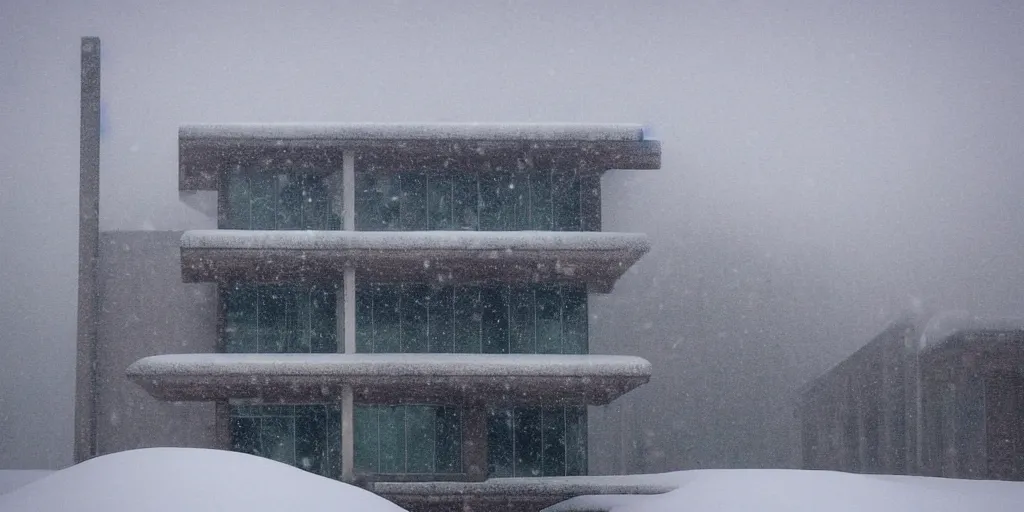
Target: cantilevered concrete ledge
<point>595,258</point>
<point>205,151</point>
<point>459,379</point>
<point>513,493</point>
<point>341,132</point>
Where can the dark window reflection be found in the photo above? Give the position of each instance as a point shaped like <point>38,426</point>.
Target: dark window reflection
<point>279,319</point>
<point>408,439</point>
<point>286,201</point>
<point>305,436</point>
<point>487,201</point>
<point>284,319</point>
<point>501,319</point>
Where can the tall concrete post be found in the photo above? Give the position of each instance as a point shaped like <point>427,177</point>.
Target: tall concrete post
<point>88,252</point>
<point>348,450</point>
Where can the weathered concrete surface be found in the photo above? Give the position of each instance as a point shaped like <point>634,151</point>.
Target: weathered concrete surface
<point>514,494</point>
<point>145,309</point>
<point>595,258</point>
<point>88,251</point>
<point>494,379</point>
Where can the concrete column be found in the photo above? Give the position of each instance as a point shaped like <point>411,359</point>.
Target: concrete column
<point>348,473</point>
<point>222,422</point>
<point>348,189</point>
<point>349,319</point>
<point>474,442</point>
<point>88,252</point>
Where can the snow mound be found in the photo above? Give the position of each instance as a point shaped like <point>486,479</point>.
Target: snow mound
<point>781,490</point>
<point>192,479</point>
<point>11,479</point>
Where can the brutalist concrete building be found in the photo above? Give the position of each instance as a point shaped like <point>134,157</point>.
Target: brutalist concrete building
<point>403,306</point>
<point>940,396</point>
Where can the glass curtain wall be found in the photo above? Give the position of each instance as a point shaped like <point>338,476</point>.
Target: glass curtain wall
<point>284,319</point>
<point>305,436</point>
<point>287,201</point>
<point>488,319</point>
<point>484,201</point>
<point>263,318</point>
<point>493,319</point>
<point>544,319</point>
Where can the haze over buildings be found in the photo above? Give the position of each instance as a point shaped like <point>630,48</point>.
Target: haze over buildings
<point>825,166</point>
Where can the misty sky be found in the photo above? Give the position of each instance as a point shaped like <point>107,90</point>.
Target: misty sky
<point>825,165</point>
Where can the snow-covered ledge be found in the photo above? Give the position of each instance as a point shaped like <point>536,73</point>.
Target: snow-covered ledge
<point>528,493</point>
<point>595,258</point>
<point>492,379</point>
<point>206,151</point>
<point>622,132</point>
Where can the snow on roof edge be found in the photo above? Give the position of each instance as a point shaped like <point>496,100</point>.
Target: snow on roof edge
<point>470,365</point>
<point>411,240</point>
<point>623,132</point>
<point>944,324</point>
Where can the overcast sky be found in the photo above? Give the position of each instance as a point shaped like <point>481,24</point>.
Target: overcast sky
<point>826,164</point>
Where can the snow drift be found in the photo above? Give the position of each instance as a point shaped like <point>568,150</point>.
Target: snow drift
<point>192,479</point>
<point>781,490</point>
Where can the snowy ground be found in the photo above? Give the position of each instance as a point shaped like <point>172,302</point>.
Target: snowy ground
<point>196,480</point>
<point>779,490</point>
<point>11,479</point>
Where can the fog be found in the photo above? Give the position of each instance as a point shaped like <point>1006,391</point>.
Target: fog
<point>826,165</point>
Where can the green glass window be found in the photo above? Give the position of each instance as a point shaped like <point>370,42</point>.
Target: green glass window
<point>440,204</point>
<point>537,441</point>
<point>465,202</point>
<point>541,214</point>
<point>575,440</point>
<point>565,202</point>
<point>522,321</point>
<point>500,443</point>
<point>527,435</point>
<point>494,315</point>
<point>493,200</point>
<point>471,318</point>
<point>441,319</point>
<point>408,439</point>
<point>415,318</point>
<point>495,319</point>
<point>467,318</point>
<point>287,201</point>
<point>305,436</point>
<point>279,319</point>
<point>413,201</point>
<point>548,316</point>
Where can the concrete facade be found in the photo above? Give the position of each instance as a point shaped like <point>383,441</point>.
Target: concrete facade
<point>922,399</point>
<point>146,309</point>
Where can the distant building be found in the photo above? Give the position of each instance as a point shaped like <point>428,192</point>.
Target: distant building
<point>395,305</point>
<point>945,399</point>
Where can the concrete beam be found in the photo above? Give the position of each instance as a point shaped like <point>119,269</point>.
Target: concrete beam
<point>441,379</point>
<point>595,258</point>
